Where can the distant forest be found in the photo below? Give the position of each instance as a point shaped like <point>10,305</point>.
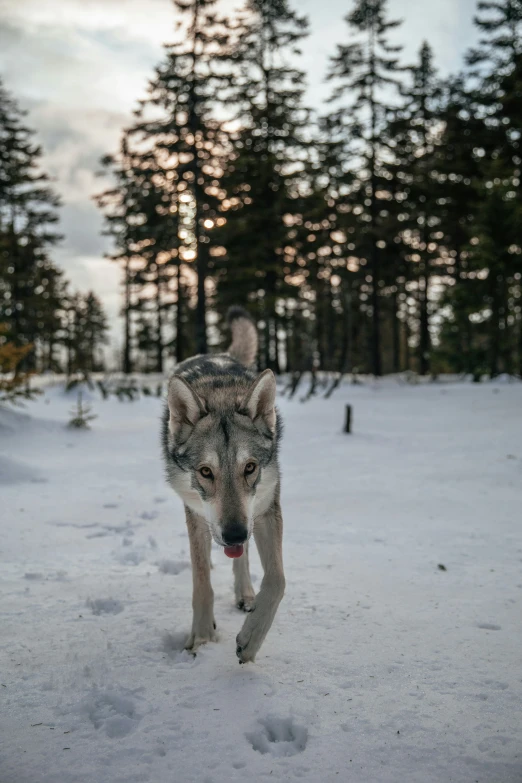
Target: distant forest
<point>379,233</point>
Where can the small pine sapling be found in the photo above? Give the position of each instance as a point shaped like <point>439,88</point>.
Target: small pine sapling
<point>81,415</point>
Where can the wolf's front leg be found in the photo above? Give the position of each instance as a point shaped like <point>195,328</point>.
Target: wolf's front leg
<point>244,592</point>
<point>268,532</point>
<point>203,624</point>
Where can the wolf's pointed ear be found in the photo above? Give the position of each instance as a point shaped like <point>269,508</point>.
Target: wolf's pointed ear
<point>260,400</point>
<point>185,408</point>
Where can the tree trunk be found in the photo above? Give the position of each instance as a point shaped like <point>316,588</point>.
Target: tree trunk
<point>374,251</point>
<point>127,365</point>
<point>277,364</point>
<point>180,347</point>
<point>494,331</point>
<point>319,321</point>
<point>201,306</point>
<point>406,343</point>
<point>269,308</point>
<point>424,336</point>
<point>518,343</point>
<point>159,323</point>
<point>331,323</point>
<point>345,359</point>
<point>396,333</point>
<point>70,337</point>
<point>506,352</point>
<point>194,124</point>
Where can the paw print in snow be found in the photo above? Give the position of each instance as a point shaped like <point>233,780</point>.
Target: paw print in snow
<point>278,736</point>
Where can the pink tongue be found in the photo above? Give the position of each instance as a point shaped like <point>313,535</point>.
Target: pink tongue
<point>234,551</point>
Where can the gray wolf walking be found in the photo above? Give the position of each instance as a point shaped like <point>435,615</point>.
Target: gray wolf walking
<point>221,433</point>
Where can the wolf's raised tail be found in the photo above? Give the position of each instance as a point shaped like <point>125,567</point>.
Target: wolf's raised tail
<point>244,336</point>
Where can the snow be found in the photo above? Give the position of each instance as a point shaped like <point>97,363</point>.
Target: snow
<point>380,667</point>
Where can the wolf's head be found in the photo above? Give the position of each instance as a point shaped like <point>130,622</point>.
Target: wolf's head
<point>222,445</point>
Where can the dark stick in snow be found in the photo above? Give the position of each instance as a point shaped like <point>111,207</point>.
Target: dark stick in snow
<point>348,420</point>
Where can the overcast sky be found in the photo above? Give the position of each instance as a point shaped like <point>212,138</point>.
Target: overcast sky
<point>79,66</point>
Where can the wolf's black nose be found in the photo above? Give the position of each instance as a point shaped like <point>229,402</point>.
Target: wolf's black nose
<point>235,534</point>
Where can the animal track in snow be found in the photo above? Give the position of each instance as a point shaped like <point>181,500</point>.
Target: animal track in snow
<point>148,515</point>
<point>107,530</point>
<point>131,558</point>
<point>492,744</point>
<point>112,710</point>
<point>127,528</point>
<point>500,686</point>
<point>173,644</point>
<point>56,576</point>
<point>173,566</point>
<point>278,736</point>
<point>105,606</point>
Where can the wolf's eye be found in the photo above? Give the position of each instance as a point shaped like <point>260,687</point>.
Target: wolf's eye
<point>249,468</point>
<point>206,472</point>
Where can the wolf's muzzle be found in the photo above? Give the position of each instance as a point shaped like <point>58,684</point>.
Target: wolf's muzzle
<point>234,534</point>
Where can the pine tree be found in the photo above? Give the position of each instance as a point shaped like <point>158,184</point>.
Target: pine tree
<point>500,23</point>
<point>85,332</point>
<point>94,329</point>
<point>27,204</point>
<point>413,135</point>
<point>495,97</point>
<point>261,178</point>
<point>495,64</point>
<point>146,342</point>
<point>362,69</point>
<point>329,250</point>
<point>185,92</point>
<point>167,193</point>
<point>81,415</point>
<point>27,219</point>
<point>459,157</point>
<point>142,217</point>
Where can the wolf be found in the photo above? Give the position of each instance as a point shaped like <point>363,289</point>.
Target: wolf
<point>221,433</point>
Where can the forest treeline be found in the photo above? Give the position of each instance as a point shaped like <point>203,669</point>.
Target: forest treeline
<point>378,233</point>
<point>43,323</point>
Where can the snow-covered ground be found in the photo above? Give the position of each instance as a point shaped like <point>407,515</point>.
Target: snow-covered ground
<point>380,666</point>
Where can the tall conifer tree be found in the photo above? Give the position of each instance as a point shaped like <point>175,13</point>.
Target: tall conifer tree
<point>28,215</point>
<point>362,69</point>
<point>268,158</point>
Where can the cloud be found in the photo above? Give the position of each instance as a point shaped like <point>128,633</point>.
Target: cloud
<point>79,67</point>
<point>132,20</point>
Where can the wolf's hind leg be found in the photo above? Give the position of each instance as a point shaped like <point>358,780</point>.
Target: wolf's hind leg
<point>243,589</point>
<point>203,624</point>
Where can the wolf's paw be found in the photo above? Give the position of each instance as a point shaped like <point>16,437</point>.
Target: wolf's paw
<point>249,639</point>
<point>246,603</point>
<point>244,654</point>
<point>199,637</point>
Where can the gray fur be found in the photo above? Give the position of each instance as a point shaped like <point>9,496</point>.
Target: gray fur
<point>220,416</point>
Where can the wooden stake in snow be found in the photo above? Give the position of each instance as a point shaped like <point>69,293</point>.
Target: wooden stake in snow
<point>348,420</point>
